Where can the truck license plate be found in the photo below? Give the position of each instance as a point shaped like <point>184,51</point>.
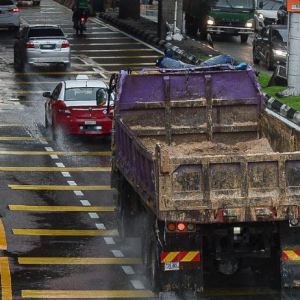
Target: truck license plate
<point>90,122</point>
<point>173,266</point>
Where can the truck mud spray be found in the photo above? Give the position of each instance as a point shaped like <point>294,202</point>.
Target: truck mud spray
<point>209,178</point>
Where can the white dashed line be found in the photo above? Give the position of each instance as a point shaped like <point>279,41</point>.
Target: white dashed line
<point>85,203</point>
<point>137,284</point>
<point>117,253</point>
<point>60,165</point>
<point>49,149</point>
<point>72,183</point>
<point>66,174</point>
<point>128,270</point>
<point>109,241</point>
<point>94,215</point>
<point>78,193</point>
<point>100,226</point>
<point>54,156</point>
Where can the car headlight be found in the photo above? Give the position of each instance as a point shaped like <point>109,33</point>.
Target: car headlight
<point>280,52</point>
<point>210,20</point>
<point>249,23</point>
<point>261,16</point>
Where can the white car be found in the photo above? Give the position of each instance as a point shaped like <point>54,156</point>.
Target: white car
<point>266,13</point>
<point>9,15</point>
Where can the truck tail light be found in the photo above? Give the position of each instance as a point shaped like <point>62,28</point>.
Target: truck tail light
<point>181,226</point>
<point>16,9</point>
<point>82,19</point>
<point>65,45</point>
<point>29,45</point>
<point>191,227</point>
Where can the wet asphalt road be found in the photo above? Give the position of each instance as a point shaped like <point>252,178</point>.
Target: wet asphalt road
<point>58,232</point>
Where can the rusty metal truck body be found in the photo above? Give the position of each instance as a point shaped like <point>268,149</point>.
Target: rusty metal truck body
<point>204,170</point>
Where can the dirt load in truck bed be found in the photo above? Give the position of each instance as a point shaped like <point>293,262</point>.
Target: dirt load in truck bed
<point>209,148</point>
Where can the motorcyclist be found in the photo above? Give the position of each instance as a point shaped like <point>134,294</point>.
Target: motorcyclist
<point>81,8</point>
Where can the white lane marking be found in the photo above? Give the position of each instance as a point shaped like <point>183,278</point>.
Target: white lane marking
<point>54,156</point>
<point>100,226</point>
<point>94,215</point>
<point>126,34</point>
<point>66,174</point>
<point>137,284</point>
<point>128,270</point>
<point>100,73</point>
<point>60,165</point>
<point>78,193</point>
<point>72,183</point>
<point>85,203</point>
<point>117,253</point>
<point>49,149</point>
<point>109,241</point>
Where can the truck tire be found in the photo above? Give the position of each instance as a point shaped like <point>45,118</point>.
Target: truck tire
<point>155,278</point>
<point>129,210</point>
<point>244,38</point>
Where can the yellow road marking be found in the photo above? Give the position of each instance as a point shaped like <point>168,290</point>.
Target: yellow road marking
<point>100,153</point>
<point>22,138</point>
<point>116,50</point>
<point>3,243</point>
<point>85,294</point>
<point>57,73</point>
<point>5,279</point>
<point>62,208</point>
<point>78,261</point>
<point>68,232</point>
<point>55,169</point>
<point>116,57</point>
<point>11,125</point>
<point>62,187</point>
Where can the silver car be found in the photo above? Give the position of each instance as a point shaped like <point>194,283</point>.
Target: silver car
<point>41,44</point>
<point>9,15</point>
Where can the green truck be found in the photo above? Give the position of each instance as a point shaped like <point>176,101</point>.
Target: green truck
<point>220,17</point>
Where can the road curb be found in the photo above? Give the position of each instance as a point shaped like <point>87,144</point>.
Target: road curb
<point>282,109</point>
<point>150,38</point>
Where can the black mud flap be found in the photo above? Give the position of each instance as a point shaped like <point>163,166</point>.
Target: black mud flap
<point>290,256</point>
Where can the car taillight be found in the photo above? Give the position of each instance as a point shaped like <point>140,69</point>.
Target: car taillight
<point>65,45</point>
<point>65,111</point>
<point>16,9</point>
<point>29,45</point>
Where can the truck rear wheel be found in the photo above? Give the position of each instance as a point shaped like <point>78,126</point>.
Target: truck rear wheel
<point>244,38</point>
<point>129,210</point>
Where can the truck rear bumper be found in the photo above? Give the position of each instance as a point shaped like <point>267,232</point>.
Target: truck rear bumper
<point>229,30</point>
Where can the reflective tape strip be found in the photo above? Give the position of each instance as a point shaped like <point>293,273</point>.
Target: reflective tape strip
<point>291,255</point>
<point>184,256</point>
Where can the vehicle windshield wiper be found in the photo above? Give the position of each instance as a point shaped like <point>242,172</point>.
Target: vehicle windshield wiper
<point>227,1</point>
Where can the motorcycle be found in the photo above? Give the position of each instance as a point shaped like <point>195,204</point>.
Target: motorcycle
<point>80,23</point>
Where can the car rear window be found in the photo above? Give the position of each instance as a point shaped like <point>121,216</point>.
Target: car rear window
<point>44,32</point>
<point>6,2</point>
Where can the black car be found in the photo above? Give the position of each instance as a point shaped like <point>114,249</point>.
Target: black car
<point>270,46</point>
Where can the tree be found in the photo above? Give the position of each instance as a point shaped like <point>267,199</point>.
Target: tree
<point>129,9</point>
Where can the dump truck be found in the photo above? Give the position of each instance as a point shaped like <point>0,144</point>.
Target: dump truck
<point>221,17</point>
<point>206,175</point>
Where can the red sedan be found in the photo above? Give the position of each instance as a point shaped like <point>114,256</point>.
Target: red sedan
<point>78,107</point>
